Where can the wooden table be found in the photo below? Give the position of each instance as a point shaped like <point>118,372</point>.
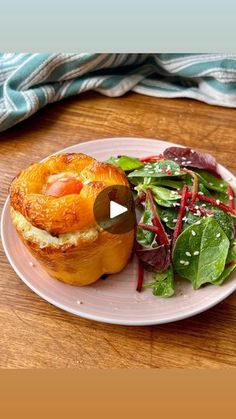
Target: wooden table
<point>34,334</point>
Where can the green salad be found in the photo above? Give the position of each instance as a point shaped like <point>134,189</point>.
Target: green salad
<point>187,219</point>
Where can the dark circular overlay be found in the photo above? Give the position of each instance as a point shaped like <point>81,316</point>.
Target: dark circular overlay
<point>119,224</point>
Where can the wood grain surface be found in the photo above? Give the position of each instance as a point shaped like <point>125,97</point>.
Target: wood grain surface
<point>35,334</point>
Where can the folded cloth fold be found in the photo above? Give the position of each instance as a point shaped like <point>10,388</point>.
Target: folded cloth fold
<point>28,82</point>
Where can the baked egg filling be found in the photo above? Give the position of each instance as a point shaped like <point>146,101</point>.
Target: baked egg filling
<point>44,238</point>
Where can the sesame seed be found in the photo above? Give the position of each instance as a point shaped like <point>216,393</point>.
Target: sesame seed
<point>210,183</point>
<point>184,218</point>
<point>218,235</point>
<point>231,198</point>
<point>210,215</point>
<point>166,219</point>
<point>31,264</point>
<point>197,207</point>
<point>196,253</point>
<point>198,222</point>
<point>218,202</point>
<point>79,302</point>
<point>188,162</point>
<point>192,151</point>
<point>174,220</point>
<point>198,213</point>
<point>200,193</point>
<point>184,262</point>
<point>193,233</point>
<point>176,158</point>
<point>173,192</point>
<point>188,254</point>
<point>183,158</point>
<point>221,185</point>
<point>203,205</point>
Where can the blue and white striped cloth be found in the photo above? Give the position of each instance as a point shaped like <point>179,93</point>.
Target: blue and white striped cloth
<point>30,81</point>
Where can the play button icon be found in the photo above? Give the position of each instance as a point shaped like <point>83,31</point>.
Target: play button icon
<point>114,209</point>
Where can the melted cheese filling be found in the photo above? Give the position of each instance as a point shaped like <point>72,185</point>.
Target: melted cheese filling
<point>62,175</point>
<point>44,239</point>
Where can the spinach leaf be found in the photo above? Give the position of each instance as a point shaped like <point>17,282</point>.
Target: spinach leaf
<point>201,187</point>
<point>157,181</point>
<point>210,185</point>
<point>225,221</point>
<point>226,272</point>
<point>171,183</point>
<point>164,196</point>
<point>190,218</point>
<point>138,180</point>
<point>221,196</point>
<point>126,163</point>
<point>113,160</point>
<point>168,215</point>
<point>158,169</point>
<point>211,181</point>
<point>163,284</point>
<point>129,163</point>
<point>162,202</point>
<point>200,252</point>
<point>145,237</point>
<point>232,252</point>
<point>230,264</point>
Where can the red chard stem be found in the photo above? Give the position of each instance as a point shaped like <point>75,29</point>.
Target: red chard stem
<point>195,183</point>
<point>212,201</point>
<point>181,213</point>
<point>152,158</point>
<point>140,276</point>
<point>154,229</point>
<point>162,236</point>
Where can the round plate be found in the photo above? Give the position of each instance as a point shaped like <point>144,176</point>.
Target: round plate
<point>115,299</point>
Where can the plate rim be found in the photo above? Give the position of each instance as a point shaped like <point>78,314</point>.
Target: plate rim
<point>100,318</point>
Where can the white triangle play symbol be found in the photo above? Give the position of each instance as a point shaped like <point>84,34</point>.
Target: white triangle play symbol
<point>116,209</point>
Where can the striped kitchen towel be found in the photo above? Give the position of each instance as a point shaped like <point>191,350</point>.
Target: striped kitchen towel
<point>30,81</point>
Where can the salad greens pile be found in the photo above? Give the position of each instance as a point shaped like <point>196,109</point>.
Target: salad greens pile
<point>187,218</point>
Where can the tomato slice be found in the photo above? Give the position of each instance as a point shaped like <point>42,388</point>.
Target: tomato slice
<point>65,186</point>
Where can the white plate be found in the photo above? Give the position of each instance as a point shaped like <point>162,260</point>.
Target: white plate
<point>113,300</point>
